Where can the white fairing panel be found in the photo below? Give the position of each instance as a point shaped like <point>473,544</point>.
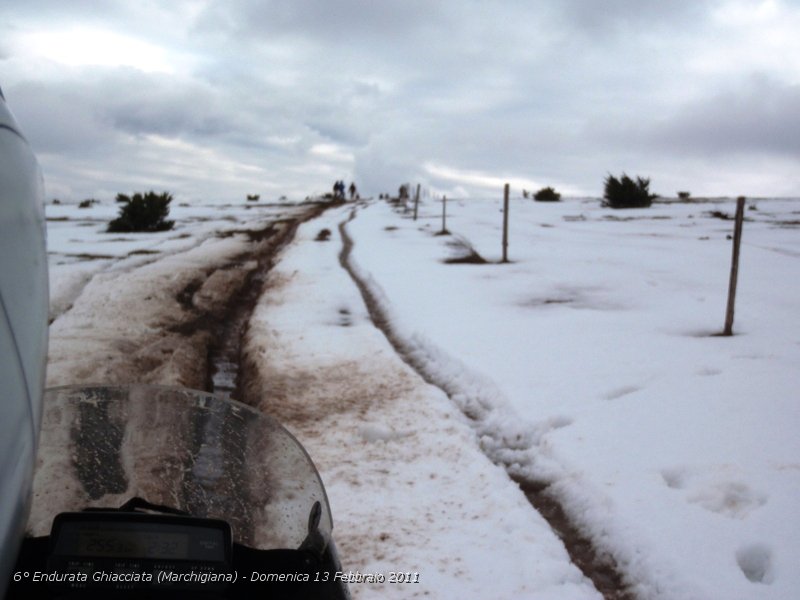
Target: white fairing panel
<point>23,330</point>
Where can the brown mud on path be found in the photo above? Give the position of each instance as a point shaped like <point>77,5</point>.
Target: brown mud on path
<point>596,565</point>
<point>165,322</point>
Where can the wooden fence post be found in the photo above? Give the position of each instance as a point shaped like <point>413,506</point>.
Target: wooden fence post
<point>505,224</point>
<point>737,240</point>
<point>416,202</point>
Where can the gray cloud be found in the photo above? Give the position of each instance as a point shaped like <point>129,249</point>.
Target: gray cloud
<point>339,22</point>
<point>762,116</point>
<point>294,94</point>
<point>633,17</point>
<point>60,121</point>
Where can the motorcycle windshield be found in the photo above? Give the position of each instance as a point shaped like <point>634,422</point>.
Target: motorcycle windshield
<point>189,450</point>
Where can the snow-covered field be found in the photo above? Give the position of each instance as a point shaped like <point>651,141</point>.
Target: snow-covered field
<point>122,305</point>
<point>79,247</point>
<point>587,362</point>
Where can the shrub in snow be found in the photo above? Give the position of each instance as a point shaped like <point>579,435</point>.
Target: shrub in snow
<point>627,193</point>
<point>684,195</point>
<point>547,194</point>
<point>142,212</point>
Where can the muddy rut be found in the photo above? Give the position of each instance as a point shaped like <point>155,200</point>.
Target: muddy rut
<point>177,321</point>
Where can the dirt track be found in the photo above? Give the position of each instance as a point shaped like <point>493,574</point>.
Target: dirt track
<point>164,322</point>
<point>330,400</point>
<point>167,322</point>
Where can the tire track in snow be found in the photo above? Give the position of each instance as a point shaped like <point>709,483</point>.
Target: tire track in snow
<point>409,487</point>
<point>214,459</point>
<point>506,452</point>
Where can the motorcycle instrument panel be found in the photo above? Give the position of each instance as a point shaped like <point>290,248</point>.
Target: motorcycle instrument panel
<point>132,550</point>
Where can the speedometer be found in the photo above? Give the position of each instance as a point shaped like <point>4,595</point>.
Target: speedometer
<point>131,550</point>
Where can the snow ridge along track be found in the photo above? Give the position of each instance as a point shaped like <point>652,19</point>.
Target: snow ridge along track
<point>409,488</point>
<point>420,356</point>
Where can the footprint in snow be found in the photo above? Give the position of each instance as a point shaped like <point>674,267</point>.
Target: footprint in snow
<point>708,371</point>
<point>731,499</point>
<point>621,391</point>
<point>755,561</point>
<point>674,478</point>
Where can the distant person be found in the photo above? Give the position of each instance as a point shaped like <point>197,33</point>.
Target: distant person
<point>352,191</point>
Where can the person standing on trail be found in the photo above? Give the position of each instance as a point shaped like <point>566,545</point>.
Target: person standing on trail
<point>352,191</point>
<point>338,189</point>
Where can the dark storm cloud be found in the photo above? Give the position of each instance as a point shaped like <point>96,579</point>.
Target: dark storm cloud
<point>761,116</point>
<point>83,111</point>
<point>60,121</point>
<point>154,105</point>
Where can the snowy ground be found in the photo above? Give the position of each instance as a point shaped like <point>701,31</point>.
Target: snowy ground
<point>410,489</point>
<point>587,362</point>
<point>139,308</point>
<point>122,304</point>
<point>79,247</point>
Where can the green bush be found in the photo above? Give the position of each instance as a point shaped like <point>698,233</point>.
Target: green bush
<point>547,194</point>
<point>142,212</point>
<point>627,193</point>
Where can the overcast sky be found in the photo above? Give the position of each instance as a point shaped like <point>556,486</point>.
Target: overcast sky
<point>215,99</point>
